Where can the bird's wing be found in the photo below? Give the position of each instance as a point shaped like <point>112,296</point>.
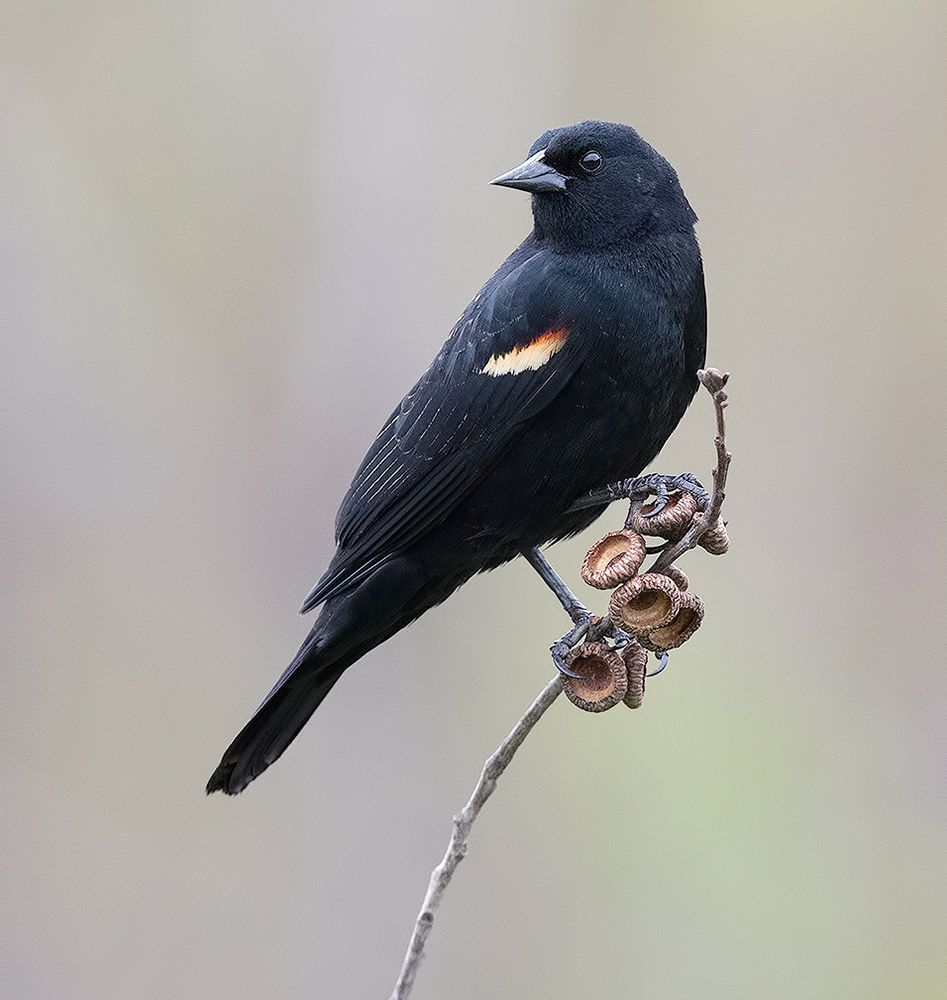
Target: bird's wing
<point>517,345</point>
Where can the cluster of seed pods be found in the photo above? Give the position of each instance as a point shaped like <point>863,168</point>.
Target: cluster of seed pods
<point>656,610</point>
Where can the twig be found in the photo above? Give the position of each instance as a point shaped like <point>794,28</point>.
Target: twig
<point>713,381</point>
<point>440,878</point>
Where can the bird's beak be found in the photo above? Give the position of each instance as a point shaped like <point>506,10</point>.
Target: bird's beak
<point>533,175</point>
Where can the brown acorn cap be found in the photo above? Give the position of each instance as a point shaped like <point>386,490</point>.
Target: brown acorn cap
<point>716,540</point>
<point>613,559</point>
<point>671,521</point>
<point>678,575</point>
<point>636,663</point>
<point>604,680</point>
<point>684,624</point>
<point>647,602</point>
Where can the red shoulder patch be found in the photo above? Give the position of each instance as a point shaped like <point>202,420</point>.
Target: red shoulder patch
<point>527,357</point>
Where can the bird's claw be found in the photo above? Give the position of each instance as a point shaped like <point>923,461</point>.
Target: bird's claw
<point>620,637</point>
<point>559,652</point>
<point>561,648</point>
<point>663,658</point>
<point>660,499</point>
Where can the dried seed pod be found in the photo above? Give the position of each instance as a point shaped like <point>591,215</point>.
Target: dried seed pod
<point>684,624</point>
<point>604,680</point>
<point>636,664</point>
<point>716,540</point>
<point>671,521</point>
<point>644,603</point>
<point>613,559</point>
<point>678,575</point>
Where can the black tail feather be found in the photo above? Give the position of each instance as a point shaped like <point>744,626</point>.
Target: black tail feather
<point>347,628</point>
<point>277,722</point>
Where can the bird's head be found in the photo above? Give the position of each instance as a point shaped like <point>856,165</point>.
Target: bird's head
<point>598,185</point>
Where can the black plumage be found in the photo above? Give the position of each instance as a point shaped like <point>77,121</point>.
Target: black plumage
<point>569,370</point>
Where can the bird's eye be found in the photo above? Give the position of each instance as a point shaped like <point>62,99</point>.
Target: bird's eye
<point>591,161</point>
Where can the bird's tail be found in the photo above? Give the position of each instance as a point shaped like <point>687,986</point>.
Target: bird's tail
<point>349,625</point>
<point>277,722</point>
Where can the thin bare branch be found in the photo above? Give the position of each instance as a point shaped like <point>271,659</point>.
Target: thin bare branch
<point>440,878</point>
<point>714,382</point>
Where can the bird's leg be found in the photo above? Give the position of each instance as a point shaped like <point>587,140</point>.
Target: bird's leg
<point>575,609</point>
<point>641,487</point>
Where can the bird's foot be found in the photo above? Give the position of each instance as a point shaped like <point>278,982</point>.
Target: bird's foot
<point>561,648</point>
<point>620,638</point>
<point>662,486</point>
<point>602,629</point>
<point>588,627</point>
<point>641,487</point>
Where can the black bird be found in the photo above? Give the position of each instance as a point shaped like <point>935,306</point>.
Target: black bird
<point>568,371</point>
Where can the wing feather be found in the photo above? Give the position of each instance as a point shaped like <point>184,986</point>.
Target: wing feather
<point>446,432</point>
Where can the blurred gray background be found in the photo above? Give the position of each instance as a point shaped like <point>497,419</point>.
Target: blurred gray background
<point>234,235</point>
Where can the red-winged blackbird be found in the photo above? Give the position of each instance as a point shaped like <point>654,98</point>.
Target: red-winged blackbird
<point>568,371</point>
